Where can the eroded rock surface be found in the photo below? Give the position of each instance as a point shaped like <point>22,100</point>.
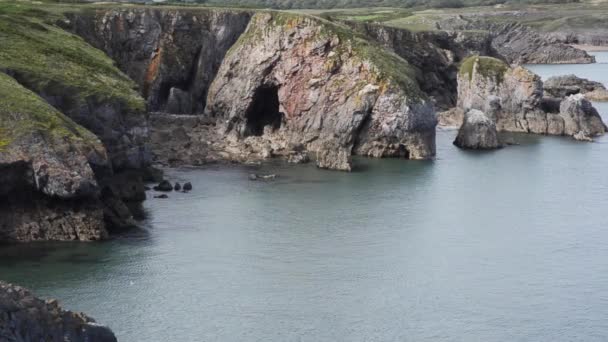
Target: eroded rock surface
<point>513,99</point>
<point>296,80</point>
<point>478,132</point>
<point>24,318</point>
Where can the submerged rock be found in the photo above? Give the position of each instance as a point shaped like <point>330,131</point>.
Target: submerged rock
<point>24,317</point>
<point>163,196</point>
<point>177,187</point>
<point>187,186</point>
<point>165,185</point>
<point>477,132</point>
<point>254,177</point>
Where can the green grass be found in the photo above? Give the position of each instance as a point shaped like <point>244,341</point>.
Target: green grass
<point>50,58</point>
<point>488,67</point>
<point>22,112</point>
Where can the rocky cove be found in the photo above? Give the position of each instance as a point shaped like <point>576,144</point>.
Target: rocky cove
<point>171,87</point>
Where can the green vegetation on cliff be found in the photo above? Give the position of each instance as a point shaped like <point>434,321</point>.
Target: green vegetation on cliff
<point>22,112</point>
<point>486,66</point>
<point>52,60</point>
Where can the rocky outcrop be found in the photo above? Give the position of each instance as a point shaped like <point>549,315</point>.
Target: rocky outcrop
<point>435,55</point>
<point>172,54</point>
<point>48,190</point>
<point>478,132</point>
<point>517,43</point>
<point>24,317</point>
<point>562,86</point>
<point>297,80</point>
<point>581,120</point>
<point>513,99</point>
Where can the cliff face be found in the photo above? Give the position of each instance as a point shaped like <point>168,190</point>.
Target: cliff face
<point>173,55</point>
<point>513,99</point>
<point>435,55</point>
<point>519,44</point>
<point>299,81</point>
<point>24,317</point>
<point>48,188</point>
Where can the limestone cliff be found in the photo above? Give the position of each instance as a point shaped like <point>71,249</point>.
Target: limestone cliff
<point>292,80</point>
<point>513,99</point>
<point>48,189</point>
<point>24,317</point>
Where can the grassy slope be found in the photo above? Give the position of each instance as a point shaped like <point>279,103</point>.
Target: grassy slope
<point>22,112</point>
<point>32,46</point>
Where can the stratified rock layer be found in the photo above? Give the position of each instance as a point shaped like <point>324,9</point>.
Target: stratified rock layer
<point>24,318</point>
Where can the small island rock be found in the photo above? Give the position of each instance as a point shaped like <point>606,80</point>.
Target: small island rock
<point>477,132</point>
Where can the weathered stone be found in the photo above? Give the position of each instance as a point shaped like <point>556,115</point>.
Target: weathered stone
<point>187,186</point>
<point>581,120</point>
<point>24,317</point>
<point>165,185</point>
<point>477,132</point>
<point>562,86</point>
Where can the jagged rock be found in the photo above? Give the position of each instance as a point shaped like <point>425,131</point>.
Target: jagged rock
<point>24,317</point>
<point>187,186</point>
<point>562,86</point>
<point>513,99</point>
<point>177,187</point>
<point>296,79</point>
<point>48,190</point>
<point>165,185</point>
<point>477,132</point>
<point>581,120</point>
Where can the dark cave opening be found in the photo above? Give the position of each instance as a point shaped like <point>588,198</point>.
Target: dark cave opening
<point>263,111</point>
<point>403,152</point>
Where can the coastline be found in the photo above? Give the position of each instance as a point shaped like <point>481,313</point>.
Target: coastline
<point>590,48</point>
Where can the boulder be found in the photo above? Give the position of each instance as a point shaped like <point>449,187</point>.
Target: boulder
<point>581,120</point>
<point>177,187</point>
<point>478,132</point>
<point>187,186</point>
<point>165,185</point>
<point>24,317</point>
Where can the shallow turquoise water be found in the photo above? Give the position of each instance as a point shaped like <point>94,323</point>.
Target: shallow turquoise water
<point>510,245</point>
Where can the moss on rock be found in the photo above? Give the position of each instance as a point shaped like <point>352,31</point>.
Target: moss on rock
<point>488,67</point>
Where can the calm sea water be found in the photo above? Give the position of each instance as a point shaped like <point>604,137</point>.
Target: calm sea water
<point>510,245</point>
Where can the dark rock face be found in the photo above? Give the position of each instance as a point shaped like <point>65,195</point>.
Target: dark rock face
<point>187,186</point>
<point>24,317</point>
<point>562,86</point>
<point>164,186</point>
<point>172,54</point>
<point>477,132</point>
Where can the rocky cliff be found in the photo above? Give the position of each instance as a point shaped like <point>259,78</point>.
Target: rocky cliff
<point>293,80</point>
<point>24,318</point>
<point>48,189</point>
<point>517,43</point>
<point>513,99</point>
<point>173,55</point>
<point>435,55</point>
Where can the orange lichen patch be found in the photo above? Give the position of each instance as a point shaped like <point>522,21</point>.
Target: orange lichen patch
<point>152,71</point>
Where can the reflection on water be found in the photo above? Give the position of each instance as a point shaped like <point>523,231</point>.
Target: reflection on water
<point>500,246</point>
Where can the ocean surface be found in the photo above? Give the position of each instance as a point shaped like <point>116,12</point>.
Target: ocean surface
<point>509,245</point>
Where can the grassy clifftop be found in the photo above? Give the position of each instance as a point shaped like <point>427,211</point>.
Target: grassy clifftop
<point>48,56</point>
<point>486,66</point>
<point>22,112</point>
